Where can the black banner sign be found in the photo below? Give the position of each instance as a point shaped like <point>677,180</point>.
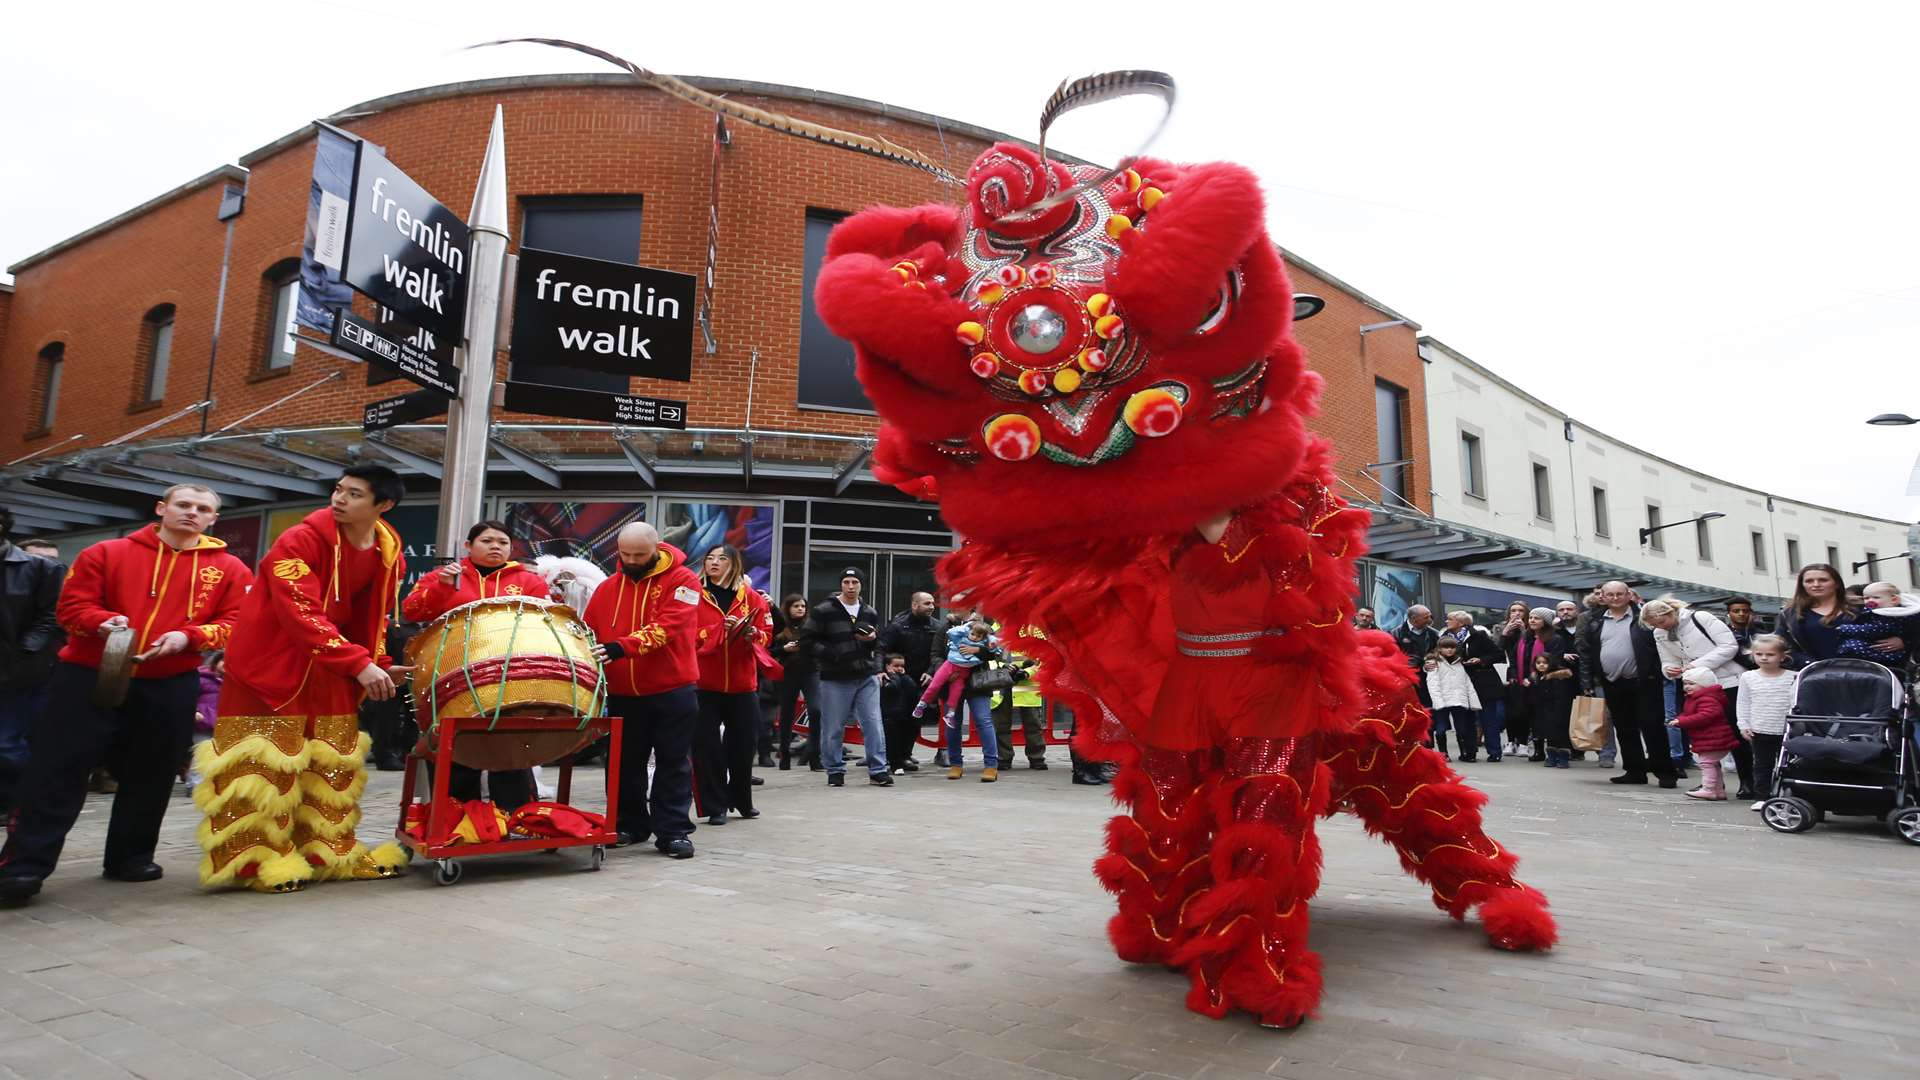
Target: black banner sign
<point>405,250</point>
<point>383,345</point>
<point>607,316</point>
<point>405,409</point>
<point>592,405</point>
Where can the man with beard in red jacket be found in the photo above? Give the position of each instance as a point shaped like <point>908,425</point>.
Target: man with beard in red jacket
<point>179,591</point>
<point>643,617</point>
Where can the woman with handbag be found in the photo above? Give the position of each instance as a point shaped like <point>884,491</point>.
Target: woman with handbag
<point>976,687</point>
<point>733,626</point>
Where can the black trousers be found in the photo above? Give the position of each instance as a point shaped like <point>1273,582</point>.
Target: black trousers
<point>510,789</point>
<point>1765,752</point>
<point>1639,713</point>
<point>903,728</point>
<point>724,744</point>
<point>791,689</point>
<point>1742,750</point>
<point>144,742</point>
<point>660,727</point>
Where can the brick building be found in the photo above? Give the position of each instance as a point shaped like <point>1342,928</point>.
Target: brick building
<point>113,382</point>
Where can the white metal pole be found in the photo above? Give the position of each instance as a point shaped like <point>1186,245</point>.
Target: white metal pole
<point>463,486</point>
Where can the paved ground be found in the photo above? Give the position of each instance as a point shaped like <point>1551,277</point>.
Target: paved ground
<point>943,930</point>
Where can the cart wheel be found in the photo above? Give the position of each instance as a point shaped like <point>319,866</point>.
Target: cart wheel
<point>1906,824</point>
<point>600,855</point>
<point>446,872</point>
<point>1788,814</point>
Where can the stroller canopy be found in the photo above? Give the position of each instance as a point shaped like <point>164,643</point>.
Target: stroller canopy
<point>1856,689</point>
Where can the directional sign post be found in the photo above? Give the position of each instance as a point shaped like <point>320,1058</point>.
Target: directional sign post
<point>382,345</point>
<point>627,410</point>
<point>405,409</point>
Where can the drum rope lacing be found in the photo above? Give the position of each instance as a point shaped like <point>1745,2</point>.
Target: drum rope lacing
<point>594,704</point>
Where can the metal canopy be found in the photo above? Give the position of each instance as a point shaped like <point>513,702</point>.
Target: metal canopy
<point>1423,541</point>
<point>114,487</point>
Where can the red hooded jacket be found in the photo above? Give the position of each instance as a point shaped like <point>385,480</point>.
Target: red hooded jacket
<point>297,620</point>
<point>1704,718</point>
<point>728,662</point>
<point>432,597</point>
<point>197,591</point>
<point>653,621</point>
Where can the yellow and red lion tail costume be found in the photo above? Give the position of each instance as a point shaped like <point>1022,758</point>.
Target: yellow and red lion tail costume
<point>1083,388</point>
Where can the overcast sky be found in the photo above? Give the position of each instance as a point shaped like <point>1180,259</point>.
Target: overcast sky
<point>1692,226</point>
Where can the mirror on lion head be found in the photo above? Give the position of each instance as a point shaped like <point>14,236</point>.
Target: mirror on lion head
<point>1120,363</point>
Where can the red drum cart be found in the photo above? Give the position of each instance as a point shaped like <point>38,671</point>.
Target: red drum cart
<point>510,742</point>
<point>507,683</point>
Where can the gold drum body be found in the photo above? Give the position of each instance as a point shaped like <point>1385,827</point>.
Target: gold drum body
<point>514,656</point>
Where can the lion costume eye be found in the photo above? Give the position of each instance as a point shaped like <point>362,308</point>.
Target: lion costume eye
<point>1222,305</point>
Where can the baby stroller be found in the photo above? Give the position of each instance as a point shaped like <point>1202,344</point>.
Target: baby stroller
<point>1846,751</point>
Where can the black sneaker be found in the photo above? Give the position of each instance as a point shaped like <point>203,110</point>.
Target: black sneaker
<point>911,765</point>
<point>1668,781</point>
<point>142,871</point>
<point>836,780</point>
<point>17,889</point>
<point>1631,778</point>
<point>880,780</point>
<point>717,819</point>
<point>626,839</point>
<point>1040,765</point>
<point>677,848</point>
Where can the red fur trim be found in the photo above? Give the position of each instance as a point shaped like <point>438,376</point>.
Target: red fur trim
<point>1249,986</point>
<point>888,232</point>
<point>1518,919</point>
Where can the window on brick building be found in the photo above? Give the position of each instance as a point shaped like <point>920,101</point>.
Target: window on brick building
<point>283,290</point>
<point>1542,492</point>
<point>1759,550</point>
<point>156,354</point>
<point>1793,555</point>
<point>826,379</point>
<point>1602,521</point>
<point>1833,556</point>
<point>1390,438</point>
<point>47,390</point>
<point>594,227</point>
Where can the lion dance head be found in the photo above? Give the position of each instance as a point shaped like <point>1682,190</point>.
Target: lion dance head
<point>1120,362</point>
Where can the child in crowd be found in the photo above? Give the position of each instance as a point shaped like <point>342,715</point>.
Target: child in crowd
<point>213,673</point>
<point>1455,705</point>
<point>1766,695</point>
<point>898,691</point>
<point>1549,700</point>
<point>1704,719</point>
<point>967,648</point>
<point>1887,613</point>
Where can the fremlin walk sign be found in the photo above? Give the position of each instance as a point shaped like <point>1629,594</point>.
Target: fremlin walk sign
<point>606,316</point>
<point>405,250</point>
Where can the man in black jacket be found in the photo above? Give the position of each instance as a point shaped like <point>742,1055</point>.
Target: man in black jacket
<point>1618,661</point>
<point>1416,639</point>
<point>29,638</point>
<point>842,633</point>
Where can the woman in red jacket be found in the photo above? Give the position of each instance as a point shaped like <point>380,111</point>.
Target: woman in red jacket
<point>485,572</point>
<point>734,625</point>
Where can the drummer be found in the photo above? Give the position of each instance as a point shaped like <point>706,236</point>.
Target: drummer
<point>485,572</point>
<point>178,590</point>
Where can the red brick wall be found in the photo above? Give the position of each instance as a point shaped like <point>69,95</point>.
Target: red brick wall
<point>1351,362</point>
<point>561,140</point>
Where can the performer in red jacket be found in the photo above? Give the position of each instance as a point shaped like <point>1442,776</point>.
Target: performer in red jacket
<point>180,592</point>
<point>485,572</point>
<point>735,624</point>
<point>643,617</point>
<point>287,762</point>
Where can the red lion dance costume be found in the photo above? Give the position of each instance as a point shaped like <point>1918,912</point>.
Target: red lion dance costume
<point>1108,402</point>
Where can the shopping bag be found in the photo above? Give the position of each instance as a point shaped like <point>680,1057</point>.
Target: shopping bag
<point>1589,725</point>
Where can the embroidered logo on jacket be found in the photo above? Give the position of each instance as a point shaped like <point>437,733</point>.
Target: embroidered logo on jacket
<point>291,569</point>
<point>686,594</point>
<point>212,575</point>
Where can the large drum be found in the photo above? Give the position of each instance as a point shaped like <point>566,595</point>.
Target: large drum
<point>507,656</point>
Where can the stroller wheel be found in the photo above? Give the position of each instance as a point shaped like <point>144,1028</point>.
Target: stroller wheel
<point>1906,824</point>
<point>1788,814</point>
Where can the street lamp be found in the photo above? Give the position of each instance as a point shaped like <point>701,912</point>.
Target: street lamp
<point>1870,563</point>
<point>1893,419</point>
<point>1647,533</point>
